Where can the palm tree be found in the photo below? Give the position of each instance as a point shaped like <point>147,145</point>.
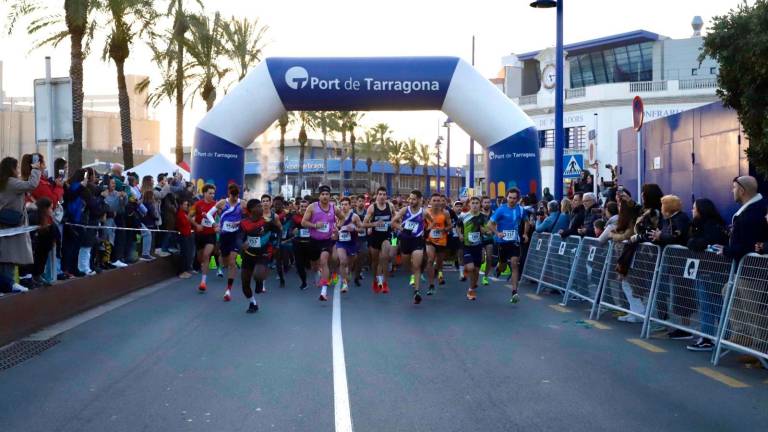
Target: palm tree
<point>243,41</point>
<point>370,150</point>
<point>394,155</point>
<point>285,120</point>
<point>128,19</point>
<point>205,49</point>
<point>307,120</point>
<point>424,155</point>
<point>382,131</point>
<point>327,123</point>
<point>411,155</point>
<point>348,121</point>
<point>78,26</point>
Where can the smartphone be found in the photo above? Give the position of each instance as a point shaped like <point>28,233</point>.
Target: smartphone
<point>61,173</point>
<point>35,159</point>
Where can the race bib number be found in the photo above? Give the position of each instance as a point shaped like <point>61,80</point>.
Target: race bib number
<point>345,236</point>
<point>361,233</point>
<point>207,223</point>
<point>436,233</point>
<point>254,242</point>
<point>511,235</point>
<point>304,233</point>
<point>383,228</point>
<point>411,226</point>
<point>324,228</point>
<point>474,237</point>
<point>231,226</point>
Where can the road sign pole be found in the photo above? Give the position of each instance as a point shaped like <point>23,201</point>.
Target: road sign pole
<point>639,167</point>
<point>49,89</point>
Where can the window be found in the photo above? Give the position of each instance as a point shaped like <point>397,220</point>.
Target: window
<point>547,138</point>
<point>694,72</point>
<point>629,63</point>
<point>576,138</point>
<point>713,71</point>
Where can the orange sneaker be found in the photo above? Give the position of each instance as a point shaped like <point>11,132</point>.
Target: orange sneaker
<point>375,287</point>
<point>385,288</point>
<point>201,289</point>
<point>471,294</point>
<point>227,296</point>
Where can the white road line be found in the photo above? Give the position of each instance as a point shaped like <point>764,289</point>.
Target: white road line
<point>340,390</point>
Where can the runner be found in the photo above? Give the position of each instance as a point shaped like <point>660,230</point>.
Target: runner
<point>205,231</point>
<point>279,214</point>
<point>346,246</point>
<point>455,244</point>
<point>257,249</point>
<point>301,244</point>
<point>506,225</point>
<point>362,240</point>
<point>473,226</point>
<point>411,222</point>
<point>320,219</point>
<point>485,208</point>
<point>379,217</point>
<point>438,222</point>
<point>230,215</point>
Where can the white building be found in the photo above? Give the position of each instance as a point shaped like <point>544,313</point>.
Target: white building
<point>602,76</point>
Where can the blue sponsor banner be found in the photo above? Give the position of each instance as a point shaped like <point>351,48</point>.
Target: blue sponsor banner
<point>514,162</point>
<point>365,84</point>
<point>573,165</point>
<point>217,161</point>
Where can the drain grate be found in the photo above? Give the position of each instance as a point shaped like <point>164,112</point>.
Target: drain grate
<point>22,351</point>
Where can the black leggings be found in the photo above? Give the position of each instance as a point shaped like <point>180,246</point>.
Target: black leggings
<point>301,252</point>
<point>254,267</point>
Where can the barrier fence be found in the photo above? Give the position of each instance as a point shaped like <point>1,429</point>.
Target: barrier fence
<point>699,292</point>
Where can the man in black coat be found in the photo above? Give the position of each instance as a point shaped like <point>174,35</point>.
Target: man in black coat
<point>749,225</point>
<point>577,217</point>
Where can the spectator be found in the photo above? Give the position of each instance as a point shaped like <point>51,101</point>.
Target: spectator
<point>551,221</point>
<point>592,212</point>
<point>612,215</point>
<point>707,228</point>
<point>623,232</point>
<point>577,217</point>
<point>187,241</point>
<point>42,240</point>
<point>566,208</point>
<point>599,227</point>
<point>148,211</point>
<point>115,200</point>
<point>547,195</point>
<point>16,249</point>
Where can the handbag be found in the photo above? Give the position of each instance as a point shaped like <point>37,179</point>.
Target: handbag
<point>10,217</point>
<point>625,259</point>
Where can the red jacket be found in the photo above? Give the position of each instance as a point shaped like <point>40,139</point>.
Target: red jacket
<point>182,223</point>
<point>49,190</point>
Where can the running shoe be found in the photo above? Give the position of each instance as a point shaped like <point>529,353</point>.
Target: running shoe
<point>463,277</point>
<point>119,264</point>
<point>416,297</point>
<point>344,287</point>
<point>507,272</point>
<point>431,290</point>
<point>482,268</point>
<point>357,282</point>
<point>385,288</point>
<point>334,279</point>
<point>412,281</point>
<point>227,296</point>
<point>220,273</point>
<point>375,287</point>
<point>323,297</point>
<point>185,275</point>
<point>440,278</point>
<point>252,308</point>
<point>201,289</point>
<point>303,286</point>
<point>471,294</point>
<point>485,280</point>
<point>147,258</point>
<point>515,298</point>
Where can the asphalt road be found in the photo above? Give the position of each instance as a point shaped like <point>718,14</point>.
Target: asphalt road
<point>176,360</point>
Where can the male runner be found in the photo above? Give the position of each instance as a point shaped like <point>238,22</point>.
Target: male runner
<point>473,227</point>
<point>230,214</point>
<point>455,243</point>
<point>256,250</point>
<point>346,246</point>
<point>438,224</point>
<point>506,224</point>
<point>410,220</point>
<point>362,240</point>
<point>205,231</point>
<point>485,269</point>
<point>320,218</point>
<point>379,217</point>
<point>301,244</point>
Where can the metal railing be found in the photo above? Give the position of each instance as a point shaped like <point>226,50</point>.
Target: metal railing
<point>647,86</point>
<point>558,266</point>
<point>537,254</point>
<point>575,92</point>
<point>588,272</point>
<point>700,83</point>
<point>528,100</point>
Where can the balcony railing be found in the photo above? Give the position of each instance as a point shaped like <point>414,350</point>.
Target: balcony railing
<point>647,86</point>
<point>575,92</point>
<point>700,83</point>
<point>528,100</point>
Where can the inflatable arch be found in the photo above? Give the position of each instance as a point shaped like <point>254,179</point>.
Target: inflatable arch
<point>448,84</point>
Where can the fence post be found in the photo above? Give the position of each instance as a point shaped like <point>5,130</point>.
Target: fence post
<point>572,272</point>
<point>653,292</point>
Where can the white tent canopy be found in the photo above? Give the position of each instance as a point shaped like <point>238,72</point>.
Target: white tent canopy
<point>158,164</point>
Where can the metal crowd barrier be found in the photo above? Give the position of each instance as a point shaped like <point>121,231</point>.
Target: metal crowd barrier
<point>559,263</point>
<point>8,232</point>
<point>630,294</point>
<point>537,254</point>
<point>690,289</point>
<point>745,325</point>
<point>588,271</point>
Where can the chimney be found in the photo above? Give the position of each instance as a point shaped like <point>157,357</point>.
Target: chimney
<point>697,24</point>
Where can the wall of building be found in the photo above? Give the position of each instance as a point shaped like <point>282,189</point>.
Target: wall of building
<point>681,57</point>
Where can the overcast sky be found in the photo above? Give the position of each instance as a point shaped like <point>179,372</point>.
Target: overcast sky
<point>392,28</point>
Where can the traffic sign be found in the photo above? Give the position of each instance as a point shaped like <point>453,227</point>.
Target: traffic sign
<point>573,165</point>
<point>463,193</point>
<point>638,113</point>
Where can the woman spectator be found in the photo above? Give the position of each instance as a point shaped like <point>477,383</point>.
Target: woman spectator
<point>566,210</point>
<point>673,230</point>
<point>612,215</point>
<point>149,217</point>
<point>115,201</point>
<point>622,232</point>
<point>552,220</point>
<point>707,228</point>
<point>74,211</point>
<point>186,240</point>
<point>42,240</point>
<point>16,249</point>
<point>95,210</point>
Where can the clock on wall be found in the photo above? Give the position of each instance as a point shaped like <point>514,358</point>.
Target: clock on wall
<point>548,76</point>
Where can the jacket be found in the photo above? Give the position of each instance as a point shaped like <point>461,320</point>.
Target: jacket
<point>674,230</point>
<point>705,233</point>
<point>589,220</point>
<point>577,220</point>
<point>647,222</point>
<point>610,227</point>
<point>749,227</point>
<point>17,249</point>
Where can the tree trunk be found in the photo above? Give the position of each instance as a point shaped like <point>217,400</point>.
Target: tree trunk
<point>325,157</point>
<point>397,178</point>
<point>180,102</point>
<point>282,151</point>
<point>76,28</point>
<point>369,162</point>
<point>302,145</point>
<point>125,115</point>
<point>353,157</point>
<point>343,158</point>
<point>425,172</point>
<point>209,95</point>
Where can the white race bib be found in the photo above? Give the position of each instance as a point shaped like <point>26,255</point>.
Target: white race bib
<point>474,237</point>
<point>411,226</point>
<point>361,233</point>
<point>345,236</point>
<point>254,242</point>
<point>436,233</point>
<point>383,228</point>
<point>304,232</point>
<point>231,226</point>
<point>324,228</point>
<point>207,223</point>
<point>511,235</point>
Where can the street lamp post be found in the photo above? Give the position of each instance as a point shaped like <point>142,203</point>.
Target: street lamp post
<point>447,125</point>
<point>437,148</point>
<point>559,131</point>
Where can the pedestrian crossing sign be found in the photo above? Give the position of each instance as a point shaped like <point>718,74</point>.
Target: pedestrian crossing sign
<point>573,165</point>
